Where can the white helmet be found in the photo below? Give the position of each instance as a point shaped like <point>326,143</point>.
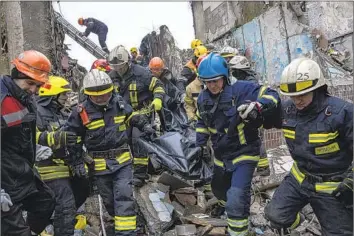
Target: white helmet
<point>228,52</point>
<point>118,59</point>
<point>97,83</point>
<point>239,62</point>
<point>301,76</point>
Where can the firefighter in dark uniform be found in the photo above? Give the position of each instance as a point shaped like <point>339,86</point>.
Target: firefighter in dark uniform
<point>51,116</point>
<point>240,69</point>
<point>97,27</point>
<point>318,129</point>
<point>142,91</point>
<point>102,121</point>
<point>19,178</point>
<point>189,71</point>
<point>231,115</point>
<point>173,95</point>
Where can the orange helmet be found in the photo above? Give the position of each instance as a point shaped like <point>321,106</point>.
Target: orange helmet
<point>200,59</point>
<point>101,64</point>
<point>156,63</point>
<point>33,64</point>
<point>80,21</point>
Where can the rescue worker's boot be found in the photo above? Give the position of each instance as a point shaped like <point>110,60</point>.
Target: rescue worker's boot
<point>218,211</point>
<point>105,49</point>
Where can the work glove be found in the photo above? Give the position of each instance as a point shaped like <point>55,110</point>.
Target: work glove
<point>6,202</point>
<point>344,191</point>
<point>250,112</point>
<point>79,170</point>
<point>43,152</point>
<point>157,104</point>
<point>64,138</point>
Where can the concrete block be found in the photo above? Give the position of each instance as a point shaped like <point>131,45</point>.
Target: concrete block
<point>186,230</point>
<point>334,19</point>
<point>274,42</point>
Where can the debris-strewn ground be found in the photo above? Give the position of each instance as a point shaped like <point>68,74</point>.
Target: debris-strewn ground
<point>171,206</point>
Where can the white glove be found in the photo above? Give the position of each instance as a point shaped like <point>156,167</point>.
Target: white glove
<point>43,152</point>
<point>183,95</point>
<point>6,202</point>
<point>249,111</point>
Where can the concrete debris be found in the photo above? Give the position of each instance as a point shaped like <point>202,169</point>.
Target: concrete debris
<point>186,230</point>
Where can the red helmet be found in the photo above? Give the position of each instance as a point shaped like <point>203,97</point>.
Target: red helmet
<point>101,64</point>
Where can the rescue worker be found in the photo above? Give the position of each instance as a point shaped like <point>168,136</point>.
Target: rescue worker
<point>240,69</point>
<point>19,178</point>
<point>133,54</point>
<point>231,115</point>
<point>192,92</point>
<point>228,53</point>
<point>101,64</point>
<point>318,129</point>
<point>54,171</point>
<point>173,95</point>
<point>102,121</point>
<point>97,27</point>
<point>140,90</point>
<point>195,43</point>
<point>189,71</point>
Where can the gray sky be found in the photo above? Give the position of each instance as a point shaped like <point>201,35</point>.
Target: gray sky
<point>128,23</point>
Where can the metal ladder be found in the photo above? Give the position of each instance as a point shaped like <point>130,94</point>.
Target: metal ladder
<point>85,42</point>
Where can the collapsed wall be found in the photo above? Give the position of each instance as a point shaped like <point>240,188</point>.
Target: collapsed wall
<point>31,25</point>
<point>162,44</point>
<point>270,35</point>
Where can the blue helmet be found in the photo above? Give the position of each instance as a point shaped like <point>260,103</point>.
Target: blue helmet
<point>212,67</point>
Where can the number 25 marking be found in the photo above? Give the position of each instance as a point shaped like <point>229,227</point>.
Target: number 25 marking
<point>302,76</point>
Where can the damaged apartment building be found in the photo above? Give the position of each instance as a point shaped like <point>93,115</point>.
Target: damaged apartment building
<point>269,34</point>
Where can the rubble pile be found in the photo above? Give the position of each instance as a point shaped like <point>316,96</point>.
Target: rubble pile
<point>173,206</point>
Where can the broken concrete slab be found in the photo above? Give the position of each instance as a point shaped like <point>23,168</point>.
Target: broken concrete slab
<point>186,199</point>
<point>173,181</point>
<point>204,220</point>
<point>186,230</point>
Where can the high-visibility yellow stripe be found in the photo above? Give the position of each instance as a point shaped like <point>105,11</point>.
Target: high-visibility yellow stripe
<point>326,187</point>
<point>212,130</point>
<point>261,91</point>
<point>207,187</point>
<point>141,161</point>
<point>289,133</point>
<point>118,119</point>
<point>50,139</point>
<point>125,223</point>
<point>202,130</point>
<point>38,134</point>
<point>237,223</point>
<point>100,164</point>
<point>296,222</point>
<point>263,162</point>
<point>58,161</point>
<point>221,202</point>
<point>122,127</point>
<point>124,157</point>
<point>218,163</point>
<point>95,124</point>
<point>133,94</point>
<point>299,176</point>
<point>152,84</point>
<point>49,169</point>
<point>241,134</point>
<point>322,138</point>
<point>158,90</point>
<point>92,93</point>
<point>270,97</point>
<point>245,158</point>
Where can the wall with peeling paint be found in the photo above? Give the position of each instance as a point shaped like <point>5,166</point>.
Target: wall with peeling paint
<point>281,32</point>
<point>274,38</point>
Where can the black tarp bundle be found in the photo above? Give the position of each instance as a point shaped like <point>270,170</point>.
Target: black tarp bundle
<point>176,149</point>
